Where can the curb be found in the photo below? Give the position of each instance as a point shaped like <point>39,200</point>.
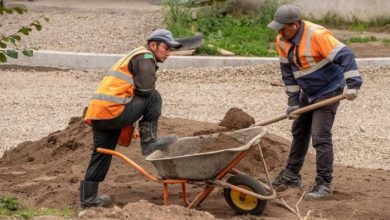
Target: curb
<point>95,61</point>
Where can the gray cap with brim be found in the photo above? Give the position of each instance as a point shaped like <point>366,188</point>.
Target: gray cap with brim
<point>286,14</point>
<point>165,36</point>
<point>274,25</point>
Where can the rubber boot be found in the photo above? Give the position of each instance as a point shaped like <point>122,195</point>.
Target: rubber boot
<point>88,195</point>
<point>149,140</point>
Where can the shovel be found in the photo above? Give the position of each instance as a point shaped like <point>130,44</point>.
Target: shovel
<point>304,110</point>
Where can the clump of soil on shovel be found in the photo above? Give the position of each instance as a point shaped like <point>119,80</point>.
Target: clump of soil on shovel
<point>236,118</point>
<point>222,142</point>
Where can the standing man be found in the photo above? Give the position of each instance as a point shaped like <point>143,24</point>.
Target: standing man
<point>315,66</point>
<point>126,94</point>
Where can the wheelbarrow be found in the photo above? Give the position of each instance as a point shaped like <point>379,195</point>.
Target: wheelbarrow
<point>183,163</point>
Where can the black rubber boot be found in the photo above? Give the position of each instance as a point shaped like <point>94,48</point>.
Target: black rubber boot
<point>88,195</point>
<point>149,140</point>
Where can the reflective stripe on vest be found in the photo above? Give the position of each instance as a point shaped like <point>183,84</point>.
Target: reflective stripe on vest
<point>352,73</point>
<point>311,60</point>
<point>308,55</point>
<point>115,91</point>
<point>110,98</point>
<point>121,76</point>
<point>312,69</point>
<point>115,99</point>
<point>283,59</point>
<point>293,88</point>
<point>335,50</point>
<point>134,52</point>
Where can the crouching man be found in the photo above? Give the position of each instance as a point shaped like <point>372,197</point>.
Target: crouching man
<point>126,94</point>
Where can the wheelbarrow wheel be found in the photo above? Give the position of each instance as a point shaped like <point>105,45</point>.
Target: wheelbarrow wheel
<point>241,203</point>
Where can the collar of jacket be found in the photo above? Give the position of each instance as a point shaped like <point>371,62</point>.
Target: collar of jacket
<point>297,38</point>
<point>148,48</point>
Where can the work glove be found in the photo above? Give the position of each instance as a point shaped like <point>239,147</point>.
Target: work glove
<point>291,109</point>
<point>350,94</point>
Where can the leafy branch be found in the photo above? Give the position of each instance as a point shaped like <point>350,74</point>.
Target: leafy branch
<point>13,39</point>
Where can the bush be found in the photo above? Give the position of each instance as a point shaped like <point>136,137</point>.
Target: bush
<point>245,35</point>
<point>13,39</point>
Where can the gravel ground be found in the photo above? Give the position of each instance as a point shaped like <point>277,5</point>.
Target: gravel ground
<point>86,29</point>
<point>117,26</point>
<point>36,103</point>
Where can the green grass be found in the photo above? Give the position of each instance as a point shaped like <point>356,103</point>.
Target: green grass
<point>361,39</point>
<point>248,35</point>
<point>243,35</point>
<point>10,206</point>
<point>332,20</point>
<point>386,41</point>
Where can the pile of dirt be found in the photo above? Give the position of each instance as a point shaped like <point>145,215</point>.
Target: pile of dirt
<point>53,166</point>
<point>236,118</point>
<point>222,142</point>
<point>275,150</point>
<point>47,172</point>
<point>145,210</point>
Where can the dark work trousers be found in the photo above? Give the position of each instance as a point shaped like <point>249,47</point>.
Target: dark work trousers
<point>106,132</point>
<point>318,125</point>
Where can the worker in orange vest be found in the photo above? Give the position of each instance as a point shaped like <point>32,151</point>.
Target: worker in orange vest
<point>314,66</point>
<point>126,94</point>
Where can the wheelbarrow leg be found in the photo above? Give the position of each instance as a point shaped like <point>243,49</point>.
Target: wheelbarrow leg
<point>201,196</point>
<point>166,194</point>
<point>184,194</point>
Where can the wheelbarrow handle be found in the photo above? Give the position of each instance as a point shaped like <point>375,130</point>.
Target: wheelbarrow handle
<point>305,109</point>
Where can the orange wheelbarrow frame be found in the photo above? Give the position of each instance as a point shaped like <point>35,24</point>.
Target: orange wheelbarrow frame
<point>210,184</point>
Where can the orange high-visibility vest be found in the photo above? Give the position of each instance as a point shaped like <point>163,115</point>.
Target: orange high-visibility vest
<point>312,56</point>
<point>114,92</point>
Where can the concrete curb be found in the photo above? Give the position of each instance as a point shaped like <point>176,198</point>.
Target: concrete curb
<point>94,61</point>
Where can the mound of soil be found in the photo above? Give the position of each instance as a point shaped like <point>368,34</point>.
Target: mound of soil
<point>145,210</point>
<point>236,118</point>
<point>55,164</point>
<point>275,151</point>
<point>47,172</point>
<point>222,142</point>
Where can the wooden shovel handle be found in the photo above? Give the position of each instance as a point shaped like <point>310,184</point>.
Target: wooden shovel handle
<point>305,109</point>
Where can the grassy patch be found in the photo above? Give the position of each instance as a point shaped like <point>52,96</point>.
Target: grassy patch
<point>361,39</point>
<point>241,36</point>
<point>245,35</point>
<point>386,41</point>
<point>10,206</point>
<point>332,20</point>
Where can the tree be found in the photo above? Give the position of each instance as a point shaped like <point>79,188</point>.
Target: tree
<point>12,39</point>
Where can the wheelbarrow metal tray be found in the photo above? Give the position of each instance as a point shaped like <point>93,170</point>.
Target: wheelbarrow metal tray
<point>182,159</point>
